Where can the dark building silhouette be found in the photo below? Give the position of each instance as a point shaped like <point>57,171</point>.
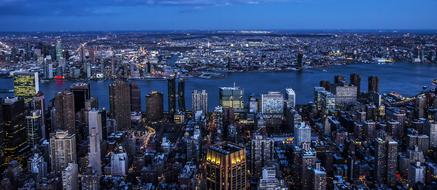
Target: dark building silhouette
<point>64,114</point>
<point>154,106</point>
<point>299,60</point>
<point>119,104</point>
<point>135,97</point>
<point>15,146</point>
<point>339,80</point>
<point>373,83</point>
<point>171,95</point>
<point>355,80</point>
<point>325,84</point>
<point>82,93</point>
<point>181,95</point>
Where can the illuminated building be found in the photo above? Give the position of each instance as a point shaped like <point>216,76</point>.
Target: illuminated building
<point>181,95</point>
<point>171,89</point>
<point>81,92</point>
<point>95,138</point>
<point>253,104</point>
<point>199,101</point>
<point>64,115</point>
<point>262,151</point>
<point>231,97</point>
<point>302,134</point>
<point>120,105</point>
<point>373,84</point>
<point>345,95</point>
<point>26,85</point>
<point>290,98</point>
<point>226,167</point>
<point>135,97</point>
<point>386,161</point>
<point>270,178</point>
<point>15,145</point>
<point>119,163</point>
<point>37,166</point>
<point>416,174</point>
<point>154,106</point>
<point>318,178</point>
<point>70,177</point>
<point>62,150</point>
<point>34,126</point>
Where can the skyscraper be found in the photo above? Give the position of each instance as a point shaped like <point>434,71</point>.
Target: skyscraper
<point>64,114</point>
<point>386,161</point>
<point>299,60</point>
<point>26,85</point>
<point>262,151</point>
<point>171,88</point>
<point>373,83</point>
<point>199,100</point>
<point>272,107</point>
<point>70,177</point>
<point>181,95</point>
<point>14,130</point>
<point>62,150</point>
<point>95,136</point>
<point>154,106</point>
<point>135,96</point>
<point>226,167</point>
<point>34,126</point>
<point>231,97</point>
<point>119,162</point>
<point>119,103</point>
<point>318,178</point>
<point>302,134</point>
<point>355,80</point>
<point>290,98</point>
<point>81,92</point>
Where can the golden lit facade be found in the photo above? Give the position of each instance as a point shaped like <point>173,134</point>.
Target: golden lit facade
<point>26,85</point>
<point>226,167</point>
<point>231,97</point>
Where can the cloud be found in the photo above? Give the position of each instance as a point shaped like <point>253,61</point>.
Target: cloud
<point>94,7</point>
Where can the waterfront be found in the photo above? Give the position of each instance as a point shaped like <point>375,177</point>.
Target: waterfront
<point>407,79</point>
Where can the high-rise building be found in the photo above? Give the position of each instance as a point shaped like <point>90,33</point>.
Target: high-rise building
<point>95,136</point>
<point>15,145</point>
<point>262,151</point>
<point>38,104</point>
<point>34,125</point>
<point>154,106</point>
<point>226,167</point>
<point>120,105</point>
<point>299,60</point>
<point>64,114</point>
<point>231,97</point>
<point>432,133</point>
<point>58,51</point>
<point>327,102</point>
<point>373,84</point>
<point>302,134</point>
<point>345,94</point>
<point>272,107</point>
<point>318,178</point>
<point>199,101</point>
<point>253,104</point>
<point>62,150</point>
<point>355,80</point>
<point>26,85</point>
<point>420,107</point>
<point>81,92</point>
<point>181,95</point>
<point>290,98</point>
<point>326,85</point>
<point>386,161</point>
<point>416,174</point>
<point>37,166</point>
<point>135,97</point>
<point>89,180</point>
<point>70,177</point>
<point>171,89</point>
<point>119,163</point>
<point>270,178</point>
<point>339,80</point>
<point>306,158</point>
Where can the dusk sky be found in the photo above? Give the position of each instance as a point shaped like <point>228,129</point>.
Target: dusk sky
<point>104,15</point>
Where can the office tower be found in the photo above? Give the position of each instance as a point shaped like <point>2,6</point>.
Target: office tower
<point>261,152</point>
<point>70,177</point>
<point>226,167</point>
<point>37,166</point>
<point>199,101</point>
<point>38,104</point>
<point>181,95</point>
<point>327,102</point>
<point>373,83</point>
<point>318,97</point>
<point>15,146</point>
<point>345,95</point>
<point>34,125</point>
<point>416,173</point>
<point>119,103</point>
<point>339,80</point>
<point>325,84</point>
<point>302,134</point>
<point>119,162</point>
<point>253,104</point>
<point>299,60</point>
<point>290,98</point>
<point>95,137</point>
<point>421,106</point>
<point>154,106</point>
<point>58,51</point>
<point>306,158</point>
<point>318,178</point>
<point>62,150</point>
<point>231,97</point>
<point>26,85</point>
<point>271,179</point>
<point>355,80</point>
<point>272,107</point>
<point>392,161</point>
<point>81,92</point>
<point>386,161</point>
<point>89,180</point>
<point>432,133</point>
<point>64,114</point>
<point>135,97</point>
<point>171,89</point>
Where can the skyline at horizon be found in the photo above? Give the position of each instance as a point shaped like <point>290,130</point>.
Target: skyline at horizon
<point>173,15</point>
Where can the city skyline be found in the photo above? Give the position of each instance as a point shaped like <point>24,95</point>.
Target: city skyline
<point>152,15</point>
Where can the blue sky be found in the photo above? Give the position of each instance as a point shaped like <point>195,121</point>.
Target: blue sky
<point>104,15</point>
